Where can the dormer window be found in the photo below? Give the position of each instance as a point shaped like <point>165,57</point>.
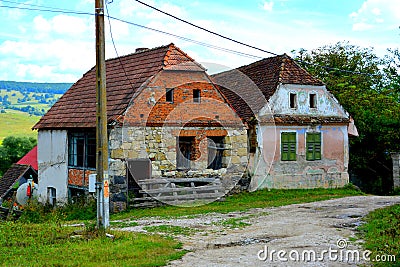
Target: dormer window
<point>293,100</point>
<point>313,100</point>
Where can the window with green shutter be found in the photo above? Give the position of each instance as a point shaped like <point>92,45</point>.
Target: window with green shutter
<point>313,146</point>
<point>288,146</point>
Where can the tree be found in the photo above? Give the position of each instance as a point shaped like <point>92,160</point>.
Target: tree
<point>368,88</point>
<point>12,149</point>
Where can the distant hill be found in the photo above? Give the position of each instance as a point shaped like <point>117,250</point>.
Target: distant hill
<point>31,98</point>
<point>23,103</point>
<point>29,87</point>
<point>17,123</point>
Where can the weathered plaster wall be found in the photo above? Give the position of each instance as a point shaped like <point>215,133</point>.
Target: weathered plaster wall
<point>327,105</point>
<point>330,171</point>
<point>52,164</point>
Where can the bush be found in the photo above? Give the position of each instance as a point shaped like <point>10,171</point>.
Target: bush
<point>35,212</point>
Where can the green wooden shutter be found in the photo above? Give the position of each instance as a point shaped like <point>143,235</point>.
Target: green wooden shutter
<point>292,146</point>
<point>313,146</point>
<point>310,146</point>
<point>317,146</point>
<point>288,146</point>
<point>284,146</point>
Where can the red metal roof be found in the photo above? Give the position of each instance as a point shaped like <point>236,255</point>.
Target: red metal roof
<point>124,76</point>
<point>30,159</point>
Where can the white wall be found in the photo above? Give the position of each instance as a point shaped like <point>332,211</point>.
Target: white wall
<point>327,105</point>
<point>53,161</point>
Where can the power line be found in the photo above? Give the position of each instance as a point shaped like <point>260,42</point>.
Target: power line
<point>188,39</point>
<point>247,45</point>
<point>66,11</point>
<point>63,11</point>
<point>49,9</point>
<point>206,30</point>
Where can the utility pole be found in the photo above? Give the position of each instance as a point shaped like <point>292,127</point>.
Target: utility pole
<point>102,180</point>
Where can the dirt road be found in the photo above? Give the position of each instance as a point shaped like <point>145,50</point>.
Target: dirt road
<point>312,234</point>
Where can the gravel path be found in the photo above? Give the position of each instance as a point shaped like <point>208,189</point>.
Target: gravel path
<point>249,238</point>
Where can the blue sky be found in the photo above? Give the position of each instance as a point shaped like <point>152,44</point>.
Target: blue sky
<point>58,47</point>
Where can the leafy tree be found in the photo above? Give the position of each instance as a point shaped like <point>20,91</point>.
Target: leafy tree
<point>368,88</point>
<point>12,149</point>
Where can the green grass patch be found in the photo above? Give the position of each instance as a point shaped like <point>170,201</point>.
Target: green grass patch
<point>17,123</point>
<point>381,233</point>
<point>122,224</point>
<point>244,201</point>
<point>52,245</point>
<point>235,222</point>
<point>169,229</point>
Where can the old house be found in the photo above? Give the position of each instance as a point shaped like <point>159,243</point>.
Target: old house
<point>18,174</point>
<point>161,106</point>
<point>298,132</point>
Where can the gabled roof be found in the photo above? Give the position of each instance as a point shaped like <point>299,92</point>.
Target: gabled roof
<point>265,76</point>
<point>124,76</point>
<point>13,174</point>
<point>30,159</point>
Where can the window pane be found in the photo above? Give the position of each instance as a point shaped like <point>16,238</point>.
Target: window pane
<point>196,96</point>
<point>91,151</point>
<point>169,96</point>
<point>293,100</point>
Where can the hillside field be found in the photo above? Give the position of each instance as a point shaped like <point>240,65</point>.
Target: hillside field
<point>17,123</point>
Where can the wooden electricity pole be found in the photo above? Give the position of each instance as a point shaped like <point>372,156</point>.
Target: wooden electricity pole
<point>102,180</point>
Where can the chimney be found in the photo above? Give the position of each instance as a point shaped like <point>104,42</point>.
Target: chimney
<point>141,49</point>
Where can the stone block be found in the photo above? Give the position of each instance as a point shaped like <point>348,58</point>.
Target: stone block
<point>117,153</point>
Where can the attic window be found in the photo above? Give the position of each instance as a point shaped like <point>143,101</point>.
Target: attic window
<point>313,100</point>
<point>293,100</point>
<point>196,96</point>
<point>169,96</point>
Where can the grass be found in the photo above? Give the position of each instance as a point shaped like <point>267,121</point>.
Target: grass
<point>122,224</point>
<point>234,223</point>
<point>17,123</point>
<point>243,201</point>
<point>51,245</point>
<point>169,229</point>
<point>381,233</point>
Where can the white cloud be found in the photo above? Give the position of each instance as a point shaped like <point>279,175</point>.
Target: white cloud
<point>268,6</point>
<point>64,24</point>
<point>361,26</point>
<point>375,12</point>
<point>41,24</point>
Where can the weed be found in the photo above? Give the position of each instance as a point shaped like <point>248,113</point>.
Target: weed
<point>122,224</point>
<point>235,222</point>
<point>169,229</point>
<point>49,244</point>
<point>381,233</point>
<point>242,202</point>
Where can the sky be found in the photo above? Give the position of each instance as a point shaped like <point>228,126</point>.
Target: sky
<point>40,46</point>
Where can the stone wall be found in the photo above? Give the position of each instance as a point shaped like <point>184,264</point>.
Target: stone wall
<point>396,170</point>
<point>159,144</point>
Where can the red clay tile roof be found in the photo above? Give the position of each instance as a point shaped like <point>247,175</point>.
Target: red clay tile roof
<point>12,175</point>
<point>30,159</point>
<point>124,75</point>
<point>266,75</point>
<point>300,120</point>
